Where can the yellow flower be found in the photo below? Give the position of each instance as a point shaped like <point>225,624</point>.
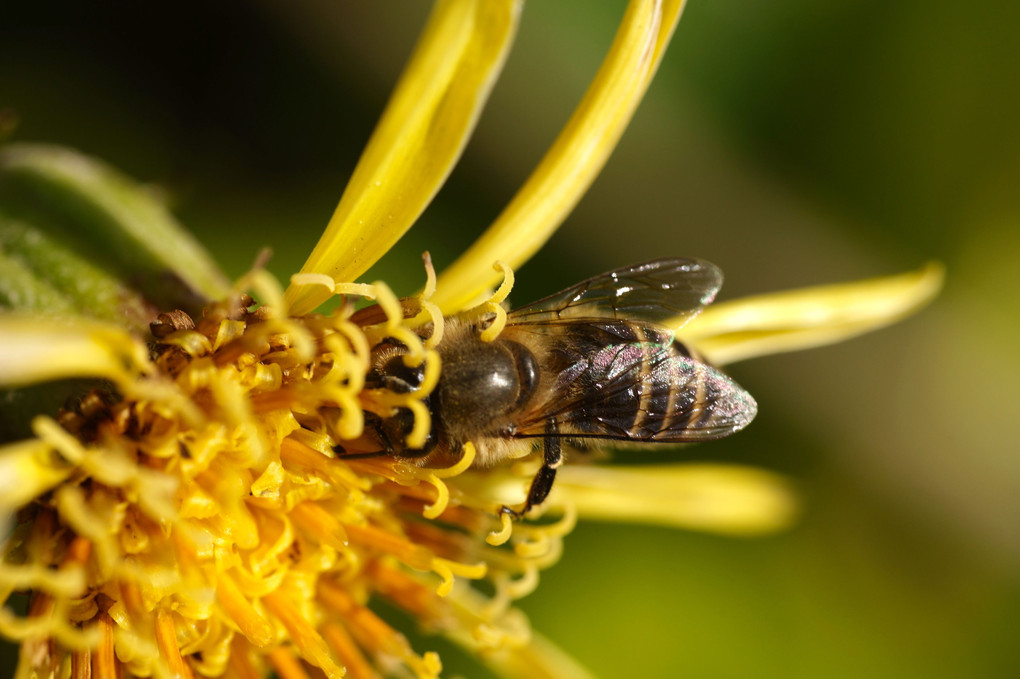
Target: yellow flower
<point>204,511</point>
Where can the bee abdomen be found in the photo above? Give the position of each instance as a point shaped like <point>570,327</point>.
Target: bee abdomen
<point>655,391</point>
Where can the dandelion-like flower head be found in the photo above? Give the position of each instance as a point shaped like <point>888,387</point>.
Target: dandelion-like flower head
<point>204,514</point>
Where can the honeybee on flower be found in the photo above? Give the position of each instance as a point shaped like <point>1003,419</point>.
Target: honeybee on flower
<point>217,504</point>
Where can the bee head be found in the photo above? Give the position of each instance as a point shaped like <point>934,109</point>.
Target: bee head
<point>392,373</point>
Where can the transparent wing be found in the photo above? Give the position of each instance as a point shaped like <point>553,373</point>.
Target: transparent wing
<point>674,289</point>
<point>629,382</point>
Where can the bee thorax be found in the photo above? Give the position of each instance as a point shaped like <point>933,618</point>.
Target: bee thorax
<point>482,385</point>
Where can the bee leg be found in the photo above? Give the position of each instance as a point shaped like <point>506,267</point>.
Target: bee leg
<point>542,483</point>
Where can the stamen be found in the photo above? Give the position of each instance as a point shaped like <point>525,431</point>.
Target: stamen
<point>408,593</point>
<point>77,553</point>
<point>430,313</point>
<point>227,332</point>
<point>415,556</point>
<point>496,326</point>
<point>131,597</point>
<point>433,510</point>
<point>36,644</point>
<point>467,458</point>
<point>435,315</point>
<point>295,452</point>
<point>320,524</point>
<point>564,525</point>
<point>489,628</point>
<point>499,537</point>
<point>104,660</point>
<point>508,282</point>
<point>73,508</point>
<point>422,423</point>
<point>495,303</point>
<point>526,584</point>
<point>309,280</point>
<point>240,665</point>
<point>347,650</point>
<point>430,276</point>
<point>286,664</point>
<point>66,582</point>
<point>265,286</point>
<point>68,446</point>
<point>374,634</point>
<point>535,657</point>
<point>309,642</point>
<point>81,665</point>
<point>27,470</point>
<point>493,306</point>
<point>394,322</point>
<point>166,639</point>
<point>446,569</point>
<point>349,423</point>
<point>253,626</point>
<point>430,378</point>
<point>538,546</point>
<point>358,345</point>
<point>193,343</point>
<point>37,349</point>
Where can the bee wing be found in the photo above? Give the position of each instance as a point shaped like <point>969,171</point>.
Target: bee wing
<point>673,290</point>
<point>632,383</point>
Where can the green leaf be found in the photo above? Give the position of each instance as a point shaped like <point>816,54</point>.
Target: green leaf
<point>43,276</point>
<point>109,220</point>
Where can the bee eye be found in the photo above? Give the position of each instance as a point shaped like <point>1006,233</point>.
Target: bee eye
<point>527,372</point>
<point>396,376</point>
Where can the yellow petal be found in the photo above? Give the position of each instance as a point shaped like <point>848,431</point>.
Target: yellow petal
<point>800,319</point>
<point>728,499</point>
<point>35,350</point>
<point>539,659</point>
<point>28,469</point>
<point>577,156</point>
<point>421,134</point>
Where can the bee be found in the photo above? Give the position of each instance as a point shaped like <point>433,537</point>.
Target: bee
<point>594,362</point>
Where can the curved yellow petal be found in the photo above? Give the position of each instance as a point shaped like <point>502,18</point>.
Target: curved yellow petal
<point>416,143</point>
<point>538,659</point>
<point>34,350</point>
<point>801,319</point>
<point>576,157</point>
<point>27,470</point>
<point>729,499</point>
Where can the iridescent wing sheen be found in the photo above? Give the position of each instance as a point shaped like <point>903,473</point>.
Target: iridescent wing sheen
<point>673,290</point>
<point>630,382</point>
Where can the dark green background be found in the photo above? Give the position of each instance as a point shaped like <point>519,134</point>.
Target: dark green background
<point>792,142</point>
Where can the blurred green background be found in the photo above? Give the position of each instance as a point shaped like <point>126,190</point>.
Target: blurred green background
<point>791,142</point>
